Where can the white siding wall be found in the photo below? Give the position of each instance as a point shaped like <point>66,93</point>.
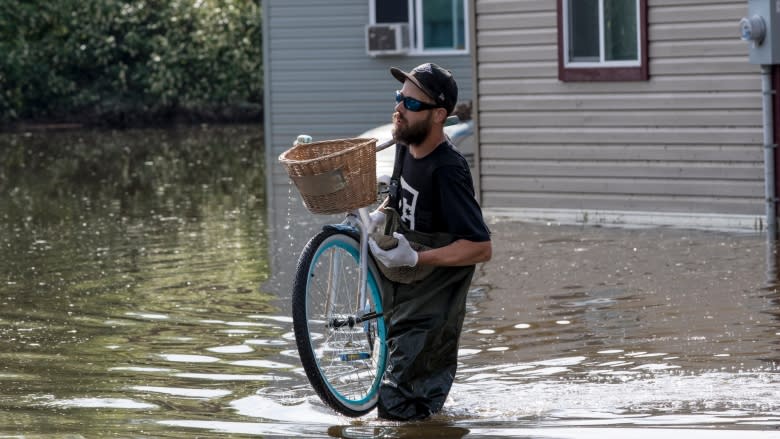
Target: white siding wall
<point>688,140</point>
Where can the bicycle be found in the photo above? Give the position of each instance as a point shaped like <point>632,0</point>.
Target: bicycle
<point>337,314</point>
<point>337,311</point>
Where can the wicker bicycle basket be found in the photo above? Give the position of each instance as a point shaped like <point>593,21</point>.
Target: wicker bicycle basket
<point>333,176</point>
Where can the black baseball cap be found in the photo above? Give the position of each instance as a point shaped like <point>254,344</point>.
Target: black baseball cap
<point>434,81</point>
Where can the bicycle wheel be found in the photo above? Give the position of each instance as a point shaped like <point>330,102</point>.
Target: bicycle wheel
<point>341,341</point>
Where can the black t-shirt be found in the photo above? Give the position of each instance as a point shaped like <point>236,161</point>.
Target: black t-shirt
<point>437,195</point>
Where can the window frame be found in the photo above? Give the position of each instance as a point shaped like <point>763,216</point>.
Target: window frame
<point>612,71</point>
<point>416,31</point>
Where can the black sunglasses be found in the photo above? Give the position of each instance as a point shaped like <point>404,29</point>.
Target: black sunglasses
<point>412,104</point>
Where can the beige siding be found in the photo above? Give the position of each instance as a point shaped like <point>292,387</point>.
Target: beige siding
<point>687,140</point>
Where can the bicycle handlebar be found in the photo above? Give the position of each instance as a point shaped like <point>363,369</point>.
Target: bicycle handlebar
<point>385,145</point>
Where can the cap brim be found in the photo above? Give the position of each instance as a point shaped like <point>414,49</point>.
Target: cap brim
<point>399,74</point>
<point>402,76</point>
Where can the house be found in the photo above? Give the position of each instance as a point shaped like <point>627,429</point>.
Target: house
<point>633,111</point>
<point>643,111</point>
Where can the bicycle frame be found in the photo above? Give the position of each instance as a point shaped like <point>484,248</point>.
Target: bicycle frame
<point>358,219</point>
<point>361,220</point>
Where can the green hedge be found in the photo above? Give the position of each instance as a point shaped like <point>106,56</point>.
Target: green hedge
<point>103,59</point>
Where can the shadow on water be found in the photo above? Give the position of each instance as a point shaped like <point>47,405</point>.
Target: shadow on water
<point>144,291</point>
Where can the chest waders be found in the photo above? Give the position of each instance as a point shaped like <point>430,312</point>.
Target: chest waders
<point>424,320</point>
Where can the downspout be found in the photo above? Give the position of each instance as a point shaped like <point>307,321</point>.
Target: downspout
<point>767,92</point>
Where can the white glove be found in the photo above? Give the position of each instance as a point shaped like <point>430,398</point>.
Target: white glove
<point>401,256</point>
<point>376,218</point>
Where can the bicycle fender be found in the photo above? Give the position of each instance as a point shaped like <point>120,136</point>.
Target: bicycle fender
<point>343,228</point>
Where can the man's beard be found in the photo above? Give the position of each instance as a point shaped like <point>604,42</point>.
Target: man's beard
<point>413,134</point>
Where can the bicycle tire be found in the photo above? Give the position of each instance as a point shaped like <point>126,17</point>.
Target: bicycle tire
<point>344,364</point>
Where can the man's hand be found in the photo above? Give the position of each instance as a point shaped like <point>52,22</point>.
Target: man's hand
<point>401,256</point>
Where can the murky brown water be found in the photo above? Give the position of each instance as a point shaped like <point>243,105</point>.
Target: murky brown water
<point>144,293</point>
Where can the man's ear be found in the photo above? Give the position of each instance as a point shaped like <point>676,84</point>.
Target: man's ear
<point>441,115</point>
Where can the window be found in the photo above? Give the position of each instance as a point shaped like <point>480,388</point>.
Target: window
<point>602,40</point>
<point>434,25</point>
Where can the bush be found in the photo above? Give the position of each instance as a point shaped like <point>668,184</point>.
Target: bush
<point>119,58</point>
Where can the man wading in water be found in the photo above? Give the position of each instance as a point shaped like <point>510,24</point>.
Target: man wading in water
<point>434,236</point>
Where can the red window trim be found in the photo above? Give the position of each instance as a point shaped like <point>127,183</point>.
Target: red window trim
<point>571,74</point>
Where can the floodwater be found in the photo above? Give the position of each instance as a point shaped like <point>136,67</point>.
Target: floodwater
<point>144,292</point>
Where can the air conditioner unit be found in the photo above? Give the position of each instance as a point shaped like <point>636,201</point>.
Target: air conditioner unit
<point>387,39</point>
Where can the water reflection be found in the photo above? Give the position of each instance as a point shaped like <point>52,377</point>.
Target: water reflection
<point>145,291</point>
<point>134,257</point>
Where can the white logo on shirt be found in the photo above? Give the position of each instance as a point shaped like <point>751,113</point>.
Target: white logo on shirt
<point>408,203</point>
